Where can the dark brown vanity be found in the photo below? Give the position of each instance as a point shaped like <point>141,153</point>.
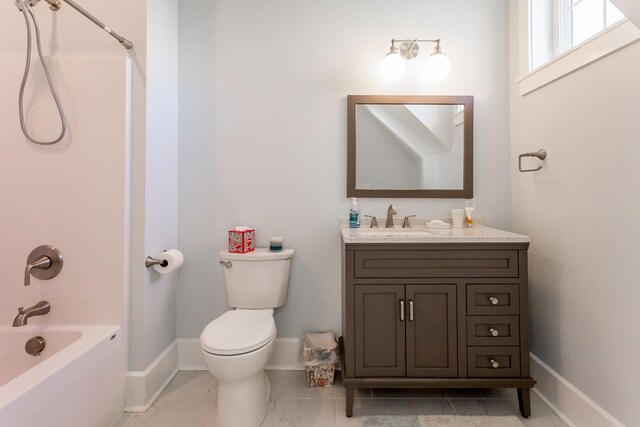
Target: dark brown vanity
<point>435,313</point>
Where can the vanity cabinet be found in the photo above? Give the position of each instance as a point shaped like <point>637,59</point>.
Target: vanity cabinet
<point>435,315</point>
<point>405,330</point>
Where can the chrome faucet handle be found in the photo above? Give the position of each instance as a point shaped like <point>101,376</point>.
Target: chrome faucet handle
<point>44,262</point>
<point>391,211</point>
<point>405,223</point>
<point>374,221</point>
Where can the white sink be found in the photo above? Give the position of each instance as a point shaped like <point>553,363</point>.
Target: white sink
<point>393,232</point>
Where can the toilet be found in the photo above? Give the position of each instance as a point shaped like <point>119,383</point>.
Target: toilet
<point>237,345</point>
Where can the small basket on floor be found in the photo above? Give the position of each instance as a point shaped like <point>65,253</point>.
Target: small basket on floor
<point>320,376</point>
<point>319,354</point>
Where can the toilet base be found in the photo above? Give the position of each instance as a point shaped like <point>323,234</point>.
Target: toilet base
<point>243,387</point>
<point>243,403</point>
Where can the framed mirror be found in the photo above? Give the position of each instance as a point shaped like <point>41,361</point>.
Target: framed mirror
<point>410,146</point>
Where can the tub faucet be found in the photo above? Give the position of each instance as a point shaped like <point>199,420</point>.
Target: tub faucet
<point>43,262</point>
<point>39,309</point>
<point>390,212</point>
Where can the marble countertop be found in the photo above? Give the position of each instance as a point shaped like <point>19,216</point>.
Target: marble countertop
<point>418,233</point>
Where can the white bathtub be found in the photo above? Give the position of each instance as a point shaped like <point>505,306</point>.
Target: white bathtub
<point>78,380</point>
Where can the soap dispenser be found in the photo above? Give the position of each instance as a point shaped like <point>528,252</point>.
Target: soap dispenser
<point>354,214</point>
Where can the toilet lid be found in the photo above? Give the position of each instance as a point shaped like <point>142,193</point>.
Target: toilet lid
<point>238,332</point>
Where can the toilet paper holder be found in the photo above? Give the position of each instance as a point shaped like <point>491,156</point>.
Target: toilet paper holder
<point>150,262</point>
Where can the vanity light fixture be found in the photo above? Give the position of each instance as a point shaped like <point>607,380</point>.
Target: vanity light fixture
<point>437,66</point>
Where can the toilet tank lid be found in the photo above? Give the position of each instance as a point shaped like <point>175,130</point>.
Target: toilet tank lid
<point>260,254</point>
<point>238,332</point>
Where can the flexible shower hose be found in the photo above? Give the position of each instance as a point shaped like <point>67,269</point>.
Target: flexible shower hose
<point>28,11</point>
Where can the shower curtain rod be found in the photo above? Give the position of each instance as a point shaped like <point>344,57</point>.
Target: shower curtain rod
<point>55,5</point>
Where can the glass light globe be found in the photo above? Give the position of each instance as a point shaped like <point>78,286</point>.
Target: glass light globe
<point>438,66</point>
<point>392,66</point>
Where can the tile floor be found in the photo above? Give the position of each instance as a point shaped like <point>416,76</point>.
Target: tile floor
<point>190,401</point>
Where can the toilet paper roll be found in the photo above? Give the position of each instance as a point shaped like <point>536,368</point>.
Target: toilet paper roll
<point>172,259</point>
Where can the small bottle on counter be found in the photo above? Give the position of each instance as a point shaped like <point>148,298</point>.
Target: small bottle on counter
<point>354,214</point>
<point>469,211</point>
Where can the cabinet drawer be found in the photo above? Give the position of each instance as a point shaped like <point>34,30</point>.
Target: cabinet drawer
<point>481,362</point>
<point>436,263</point>
<point>486,299</point>
<point>493,331</point>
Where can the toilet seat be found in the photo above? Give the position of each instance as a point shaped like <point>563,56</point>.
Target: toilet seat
<point>238,332</point>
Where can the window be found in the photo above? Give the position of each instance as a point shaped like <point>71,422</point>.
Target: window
<point>585,18</point>
<point>558,37</point>
<point>560,25</point>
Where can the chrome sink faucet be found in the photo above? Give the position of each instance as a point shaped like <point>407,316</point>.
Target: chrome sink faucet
<point>39,309</point>
<point>406,223</point>
<point>391,211</point>
<point>374,221</point>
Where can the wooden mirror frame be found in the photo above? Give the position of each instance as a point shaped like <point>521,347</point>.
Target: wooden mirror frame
<point>467,181</point>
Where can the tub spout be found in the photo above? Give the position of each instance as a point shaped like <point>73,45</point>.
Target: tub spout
<point>39,309</point>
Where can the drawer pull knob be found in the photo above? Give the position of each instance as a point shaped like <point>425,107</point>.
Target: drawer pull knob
<point>494,332</point>
<point>495,364</point>
<point>494,300</point>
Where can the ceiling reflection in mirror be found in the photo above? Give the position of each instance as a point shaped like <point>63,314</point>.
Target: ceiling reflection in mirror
<point>424,142</point>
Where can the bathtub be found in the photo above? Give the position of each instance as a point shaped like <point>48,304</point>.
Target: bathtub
<point>78,380</point>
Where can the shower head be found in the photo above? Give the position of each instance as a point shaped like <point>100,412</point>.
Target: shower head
<point>126,43</point>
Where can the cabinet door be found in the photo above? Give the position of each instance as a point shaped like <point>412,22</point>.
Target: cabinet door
<point>379,330</point>
<point>432,331</point>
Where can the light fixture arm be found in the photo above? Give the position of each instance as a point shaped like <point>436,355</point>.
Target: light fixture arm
<point>437,65</point>
<point>437,49</point>
<point>416,41</point>
<point>409,48</point>
<point>393,49</point>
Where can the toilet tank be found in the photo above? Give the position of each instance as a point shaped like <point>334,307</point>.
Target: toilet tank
<point>257,279</point>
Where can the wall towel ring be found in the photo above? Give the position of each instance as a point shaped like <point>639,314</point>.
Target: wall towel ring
<point>541,154</point>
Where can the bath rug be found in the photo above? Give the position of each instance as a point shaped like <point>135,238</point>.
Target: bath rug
<point>468,421</point>
<point>391,421</point>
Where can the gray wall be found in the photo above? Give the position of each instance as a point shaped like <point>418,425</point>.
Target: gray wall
<point>263,89</point>
<point>580,211</point>
<point>153,315</point>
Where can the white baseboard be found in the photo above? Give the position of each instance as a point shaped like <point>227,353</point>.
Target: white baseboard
<point>144,387</point>
<point>189,356</point>
<point>570,404</point>
<point>284,356</point>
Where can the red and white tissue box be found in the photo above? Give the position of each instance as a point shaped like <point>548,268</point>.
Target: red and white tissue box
<point>241,240</point>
